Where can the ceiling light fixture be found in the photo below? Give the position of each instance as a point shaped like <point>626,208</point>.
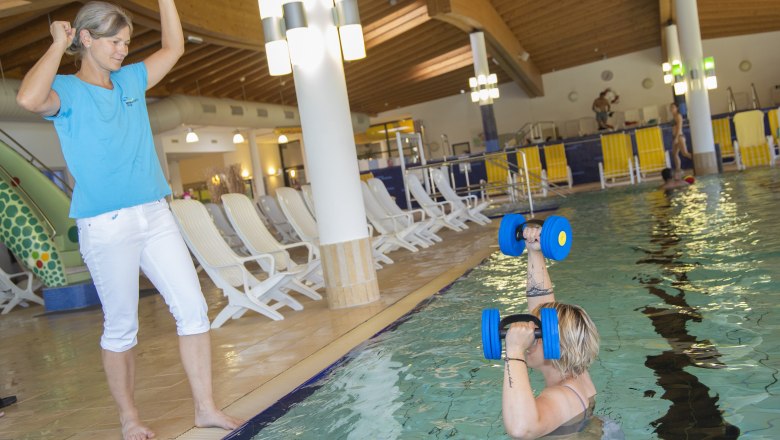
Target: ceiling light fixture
<point>287,35</point>
<point>282,139</point>
<point>237,137</point>
<point>191,136</point>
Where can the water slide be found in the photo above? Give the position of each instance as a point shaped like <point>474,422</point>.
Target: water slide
<point>34,222</point>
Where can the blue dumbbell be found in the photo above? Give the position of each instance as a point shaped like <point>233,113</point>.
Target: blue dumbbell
<point>556,238</point>
<point>494,330</point>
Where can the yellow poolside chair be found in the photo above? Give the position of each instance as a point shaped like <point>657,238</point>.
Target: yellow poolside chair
<point>652,156</point>
<point>721,131</point>
<point>558,170</point>
<point>534,163</point>
<point>753,148</point>
<point>497,176</point>
<point>617,167</point>
<point>774,124</point>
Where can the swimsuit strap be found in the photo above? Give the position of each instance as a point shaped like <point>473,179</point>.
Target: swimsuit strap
<point>584,407</point>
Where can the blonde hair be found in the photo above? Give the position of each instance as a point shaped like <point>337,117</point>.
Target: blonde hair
<point>579,338</point>
<point>101,19</point>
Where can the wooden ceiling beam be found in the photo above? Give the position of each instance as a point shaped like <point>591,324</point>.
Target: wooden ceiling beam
<point>37,6</point>
<point>395,24</point>
<point>235,25</point>
<point>472,15</point>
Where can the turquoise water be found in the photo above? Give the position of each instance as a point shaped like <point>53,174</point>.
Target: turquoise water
<point>683,288</point>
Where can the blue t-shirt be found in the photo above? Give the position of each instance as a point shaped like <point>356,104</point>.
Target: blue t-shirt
<point>107,142</point>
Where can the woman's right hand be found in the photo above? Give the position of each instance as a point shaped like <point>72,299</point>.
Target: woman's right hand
<point>531,235</point>
<point>62,33</point>
<point>519,338</point>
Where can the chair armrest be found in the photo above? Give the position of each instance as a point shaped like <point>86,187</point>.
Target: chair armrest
<point>299,244</point>
<point>242,260</point>
<point>412,211</point>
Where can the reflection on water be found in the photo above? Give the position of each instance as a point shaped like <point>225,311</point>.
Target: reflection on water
<point>683,288</point>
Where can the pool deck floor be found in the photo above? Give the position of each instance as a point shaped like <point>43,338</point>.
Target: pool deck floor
<point>52,363</point>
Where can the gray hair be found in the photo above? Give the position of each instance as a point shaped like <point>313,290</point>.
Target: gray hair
<point>101,19</point>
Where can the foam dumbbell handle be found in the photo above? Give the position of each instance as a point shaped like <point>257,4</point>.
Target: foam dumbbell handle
<point>494,330</point>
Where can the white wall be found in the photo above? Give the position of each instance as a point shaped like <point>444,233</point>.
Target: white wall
<point>457,117</point>
<point>39,138</point>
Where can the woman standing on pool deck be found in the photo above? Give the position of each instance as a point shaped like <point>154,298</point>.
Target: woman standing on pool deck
<point>123,219</point>
<point>566,400</point>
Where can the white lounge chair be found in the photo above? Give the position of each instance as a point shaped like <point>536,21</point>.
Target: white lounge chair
<point>395,231</point>
<point>259,240</point>
<point>224,228</point>
<point>13,294</point>
<point>308,198</point>
<point>469,206</point>
<point>426,227</point>
<point>227,270</point>
<point>435,210</point>
<point>294,208</point>
<point>271,209</point>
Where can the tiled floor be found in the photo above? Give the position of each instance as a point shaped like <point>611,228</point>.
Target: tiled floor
<point>52,362</point>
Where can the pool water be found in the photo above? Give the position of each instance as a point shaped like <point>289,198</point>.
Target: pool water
<point>683,288</point>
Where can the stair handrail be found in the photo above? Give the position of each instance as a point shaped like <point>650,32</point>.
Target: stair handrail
<point>37,163</point>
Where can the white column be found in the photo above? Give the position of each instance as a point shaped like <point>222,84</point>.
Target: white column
<point>699,117</point>
<point>257,167</point>
<point>332,157</point>
<point>327,126</point>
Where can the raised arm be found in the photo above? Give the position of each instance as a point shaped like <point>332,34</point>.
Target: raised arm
<point>161,62</point>
<point>539,289</point>
<point>35,93</point>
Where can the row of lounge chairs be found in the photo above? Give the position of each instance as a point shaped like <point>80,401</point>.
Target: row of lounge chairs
<point>749,148</point>
<point>225,239</point>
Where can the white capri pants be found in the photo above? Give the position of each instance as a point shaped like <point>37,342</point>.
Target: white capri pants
<point>115,244</point>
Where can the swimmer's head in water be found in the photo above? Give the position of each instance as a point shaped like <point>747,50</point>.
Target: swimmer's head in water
<point>578,337</point>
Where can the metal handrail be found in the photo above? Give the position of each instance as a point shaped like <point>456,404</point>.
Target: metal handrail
<point>29,199</point>
<point>33,160</point>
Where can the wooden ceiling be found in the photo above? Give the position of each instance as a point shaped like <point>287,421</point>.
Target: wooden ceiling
<point>412,56</point>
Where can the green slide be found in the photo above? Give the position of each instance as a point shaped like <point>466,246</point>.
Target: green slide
<point>34,222</point>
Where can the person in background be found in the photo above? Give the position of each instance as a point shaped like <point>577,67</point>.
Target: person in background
<point>601,106</point>
<point>566,403</point>
<point>119,203</point>
<point>678,140</point>
<point>672,182</point>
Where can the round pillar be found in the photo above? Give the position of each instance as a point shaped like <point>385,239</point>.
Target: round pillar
<point>699,117</point>
<point>331,156</point>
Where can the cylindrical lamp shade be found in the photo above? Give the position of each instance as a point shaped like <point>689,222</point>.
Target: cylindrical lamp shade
<point>278,56</point>
<point>672,44</point>
<point>352,45</point>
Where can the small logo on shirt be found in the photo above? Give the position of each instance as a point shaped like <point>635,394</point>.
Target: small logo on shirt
<point>129,101</point>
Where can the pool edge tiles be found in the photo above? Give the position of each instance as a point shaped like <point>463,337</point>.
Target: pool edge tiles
<point>312,367</point>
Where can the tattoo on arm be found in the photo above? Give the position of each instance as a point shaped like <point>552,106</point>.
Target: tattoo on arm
<point>534,291</point>
<point>508,373</point>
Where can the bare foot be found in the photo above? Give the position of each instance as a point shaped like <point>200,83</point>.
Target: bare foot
<point>216,419</point>
<point>135,430</point>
